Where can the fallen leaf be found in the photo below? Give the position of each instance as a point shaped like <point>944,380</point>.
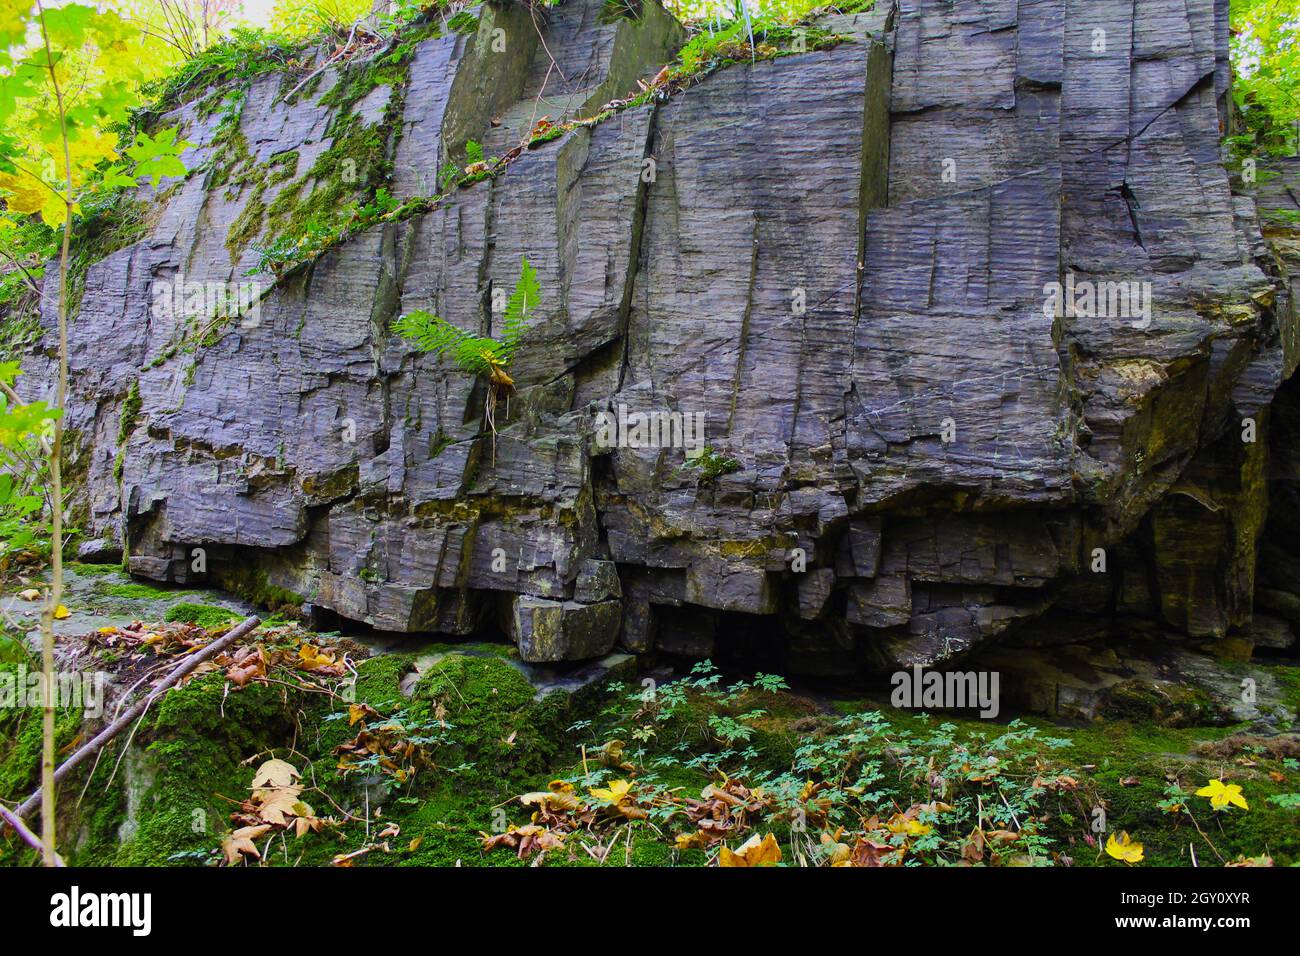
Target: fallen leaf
<point>360,712</point>
<point>1122,847</point>
<point>1223,794</point>
<point>1001,837</point>
<point>900,823</point>
<point>551,799</point>
<point>240,844</point>
<point>615,793</point>
<point>279,804</point>
<point>313,658</point>
<point>756,851</point>
<point>275,774</point>
<point>872,853</point>
<point>837,853</point>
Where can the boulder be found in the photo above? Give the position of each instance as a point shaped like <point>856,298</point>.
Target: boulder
<point>563,630</point>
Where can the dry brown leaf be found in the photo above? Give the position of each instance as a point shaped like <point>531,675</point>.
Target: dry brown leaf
<point>240,843</point>
<point>275,774</point>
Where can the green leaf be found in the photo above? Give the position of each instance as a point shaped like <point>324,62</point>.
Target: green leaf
<point>157,156</point>
<point>158,167</point>
<point>523,303</point>
<point>434,335</point>
<point>116,177</point>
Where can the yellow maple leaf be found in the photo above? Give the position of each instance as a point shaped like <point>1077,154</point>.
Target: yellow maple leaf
<point>313,657</point>
<point>61,612</point>
<point>615,793</point>
<point>1222,794</point>
<point>1122,847</point>
<point>899,823</point>
<point>756,851</point>
<point>87,146</point>
<point>691,841</point>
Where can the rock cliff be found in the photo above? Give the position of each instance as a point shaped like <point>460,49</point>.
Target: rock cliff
<point>984,342</point>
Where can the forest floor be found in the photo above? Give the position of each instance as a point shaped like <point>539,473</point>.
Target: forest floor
<point>305,748</point>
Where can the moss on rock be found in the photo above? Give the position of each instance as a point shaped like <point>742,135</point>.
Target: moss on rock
<point>204,615</point>
<point>1167,705</point>
<point>197,745</point>
<point>498,725</point>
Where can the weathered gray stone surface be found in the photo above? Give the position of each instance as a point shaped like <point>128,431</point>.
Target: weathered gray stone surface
<point>839,258</point>
<point>1157,681</point>
<point>563,630</point>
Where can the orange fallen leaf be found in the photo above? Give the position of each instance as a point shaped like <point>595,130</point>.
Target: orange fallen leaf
<point>756,851</point>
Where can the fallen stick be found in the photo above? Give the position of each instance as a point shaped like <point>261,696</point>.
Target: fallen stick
<point>116,727</point>
<point>30,838</point>
<point>288,96</point>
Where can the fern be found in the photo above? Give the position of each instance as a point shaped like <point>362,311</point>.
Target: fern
<point>434,335</point>
<point>478,354</point>
<point>523,302</point>
<point>474,354</point>
<point>707,45</point>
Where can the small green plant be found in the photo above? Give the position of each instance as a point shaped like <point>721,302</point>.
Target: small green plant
<point>464,23</point>
<point>383,204</point>
<point>480,355</point>
<point>284,253</point>
<point>447,177</point>
<point>711,464</point>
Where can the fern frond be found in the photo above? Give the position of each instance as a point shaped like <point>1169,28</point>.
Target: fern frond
<point>429,333</point>
<point>523,303</point>
<point>475,354</point>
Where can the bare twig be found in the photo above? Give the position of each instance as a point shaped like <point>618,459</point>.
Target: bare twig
<point>116,727</point>
<point>316,72</point>
<point>28,837</point>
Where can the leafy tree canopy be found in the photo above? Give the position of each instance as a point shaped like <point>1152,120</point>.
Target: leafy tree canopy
<point>1266,58</point>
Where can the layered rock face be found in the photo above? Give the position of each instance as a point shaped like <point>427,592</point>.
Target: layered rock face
<point>963,314</point>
